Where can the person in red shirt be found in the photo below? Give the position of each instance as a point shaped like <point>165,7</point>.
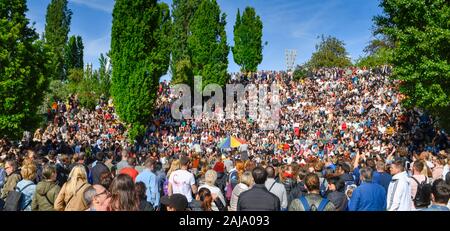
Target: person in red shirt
<point>130,171</point>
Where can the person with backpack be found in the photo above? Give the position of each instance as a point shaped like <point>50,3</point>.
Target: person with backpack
<point>12,178</point>
<point>368,196</point>
<point>312,201</point>
<point>420,187</point>
<point>26,187</point>
<point>71,197</point>
<point>46,191</point>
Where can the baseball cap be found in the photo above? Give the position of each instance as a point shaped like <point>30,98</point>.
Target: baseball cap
<point>176,201</point>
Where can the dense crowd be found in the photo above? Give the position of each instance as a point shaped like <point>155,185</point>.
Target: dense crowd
<point>343,142</point>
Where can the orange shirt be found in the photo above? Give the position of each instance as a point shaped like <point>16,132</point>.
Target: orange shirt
<point>130,172</point>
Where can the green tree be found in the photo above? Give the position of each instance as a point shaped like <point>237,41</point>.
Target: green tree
<point>74,53</point>
<point>104,75</point>
<point>208,44</point>
<point>140,55</point>
<point>300,73</point>
<point>247,50</point>
<point>182,12</point>
<point>57,28</point>
<point>420,31</point>
<point>24,63</point>
<point>330,52</point>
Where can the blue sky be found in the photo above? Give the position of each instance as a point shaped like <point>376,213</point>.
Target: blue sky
<point>288,24</point>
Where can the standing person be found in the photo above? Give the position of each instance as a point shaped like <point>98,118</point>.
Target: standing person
<point>27,186</point>
<point>182,181</point>
<point>123,162</point>
<point>368,196</point>
<point>99,168</point>
<point>381,177</point>
<point>258,198</point>
<point>210,180</point>
<point>123,194</point>
<point>46,191</point>
<point>418,183</point>
<point>312,201</point>
<point>141,191</point>
<point>12,178</point>
<point>440,196</point>
<point>246,182</point>
<point>399,193</point>
<point>62,169</point>
<point>148,177</point>
<point>131,169</point>
<point>335,193</point>
<point>71,197</point>
<point>276,188</point>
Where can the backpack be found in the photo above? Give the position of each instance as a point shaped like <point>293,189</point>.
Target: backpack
<point>313,207</point>
<point>12,202</point>
<point>423,194</point>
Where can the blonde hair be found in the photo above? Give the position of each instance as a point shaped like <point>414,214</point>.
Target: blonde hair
<point>175,165</point>
<point>78,174</point>
<point>247,178</point>
<point>210,177</point>
<point>28,172</point>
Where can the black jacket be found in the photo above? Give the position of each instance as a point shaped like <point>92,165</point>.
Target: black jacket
<point>258,198</point>
<point>97,171</point>
<point>339,199</point>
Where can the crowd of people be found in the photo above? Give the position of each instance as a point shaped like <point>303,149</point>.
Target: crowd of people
<point>343,143</point>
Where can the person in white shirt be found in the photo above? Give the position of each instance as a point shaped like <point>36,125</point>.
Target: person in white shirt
<point>182,181</point>
<point>399,193</point>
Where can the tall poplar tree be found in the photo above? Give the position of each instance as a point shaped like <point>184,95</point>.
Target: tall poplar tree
<point>247,50</point>
<point>57,28</point>
<point>140,55</point>
<point>208,43</point>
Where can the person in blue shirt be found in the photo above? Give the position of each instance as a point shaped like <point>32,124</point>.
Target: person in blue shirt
<point>368,196</point>
<point>149,178</point>
<point>381,177</point>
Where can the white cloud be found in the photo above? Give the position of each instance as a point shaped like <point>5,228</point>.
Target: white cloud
<point>103,5</point>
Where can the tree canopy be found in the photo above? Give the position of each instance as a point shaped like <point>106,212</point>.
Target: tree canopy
<point>208,44</point>
<point>140,55</point>
<point>247,50</point>
<point>420,31</point>
<point>330,52</point>
<point>24,65</point>
<point>57,28</point>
